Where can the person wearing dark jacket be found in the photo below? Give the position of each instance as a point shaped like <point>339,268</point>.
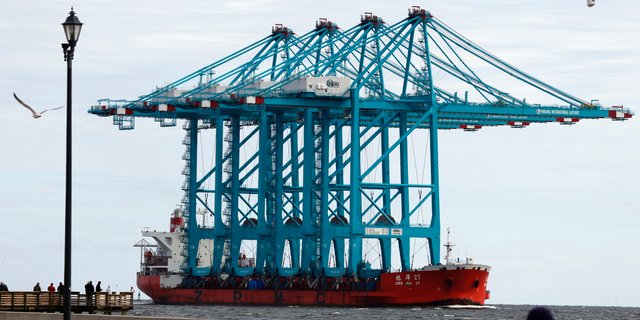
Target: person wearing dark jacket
<point>60,287</point>
<point>37,287</point>
<point>88,288</point>
<point>3,286</point>
<point>98,287</point>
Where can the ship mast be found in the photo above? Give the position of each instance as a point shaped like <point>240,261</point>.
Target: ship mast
<point>449,245</point>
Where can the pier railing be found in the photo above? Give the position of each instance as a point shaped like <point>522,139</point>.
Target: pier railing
<point>30,301</point>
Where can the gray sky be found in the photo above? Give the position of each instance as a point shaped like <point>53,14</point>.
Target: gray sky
<point>551,208</point>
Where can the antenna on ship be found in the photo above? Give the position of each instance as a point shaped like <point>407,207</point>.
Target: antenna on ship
<point>449,247</point>
<point>204,214</point>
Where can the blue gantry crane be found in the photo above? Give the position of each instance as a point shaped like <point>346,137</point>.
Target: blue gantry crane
<point>333,112</point>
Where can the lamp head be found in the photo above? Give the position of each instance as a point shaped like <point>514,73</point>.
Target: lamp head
<point>72,27</point>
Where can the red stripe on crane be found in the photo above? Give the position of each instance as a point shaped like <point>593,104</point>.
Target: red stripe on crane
<point>468,126</point>
<point>567,119</point>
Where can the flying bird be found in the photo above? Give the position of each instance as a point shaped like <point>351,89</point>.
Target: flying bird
<point>36,115</point>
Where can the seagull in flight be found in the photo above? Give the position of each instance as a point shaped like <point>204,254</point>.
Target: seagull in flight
<point>36,115</point>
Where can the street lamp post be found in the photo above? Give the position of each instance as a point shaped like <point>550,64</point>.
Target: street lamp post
<point>72,27</point>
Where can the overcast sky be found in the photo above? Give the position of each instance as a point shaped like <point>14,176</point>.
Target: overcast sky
<point>553,209</point>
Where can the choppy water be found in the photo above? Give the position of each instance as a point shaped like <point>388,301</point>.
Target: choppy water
<point>493,312</point>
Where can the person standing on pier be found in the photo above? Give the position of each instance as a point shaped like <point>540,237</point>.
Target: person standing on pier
<point>98,287</point>
<point>3,286</point>
<point>51,288</point>
<point>37,287</point>
<point>60,287</point>
<point>88,288</point>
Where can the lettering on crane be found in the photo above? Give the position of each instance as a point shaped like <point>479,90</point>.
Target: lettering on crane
<point>377,231</point>
<point>542,111</point>
<point>333,84</point>
<point>507,116</point>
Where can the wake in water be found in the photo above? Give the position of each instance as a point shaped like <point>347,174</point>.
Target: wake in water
<point>308,313</point>
<point>467,307</point>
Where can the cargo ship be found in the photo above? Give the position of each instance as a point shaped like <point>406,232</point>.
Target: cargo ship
<point>455,282</point>
<point>313,186</point>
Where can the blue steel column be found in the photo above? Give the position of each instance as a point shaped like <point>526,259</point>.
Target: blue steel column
<point>219,229</point>
<point>318,52</point>
<point>382,87</point>
<point>294,243</point>
<point>407,66</point>
<point>194,233</point>
<point>339,168</point>
<point>404,241</point>
<point>308,231</point>
<point>434,243</point>
<point>279,222</point>
<point>385,243</point>
<point>432,92</point>
<point>326,232</point>
<point>338,244</point>
<point>264,147</point>
<point>356,229</point>
<point>236,234</point>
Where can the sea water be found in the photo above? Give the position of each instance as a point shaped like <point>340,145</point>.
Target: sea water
<point>493,312</point>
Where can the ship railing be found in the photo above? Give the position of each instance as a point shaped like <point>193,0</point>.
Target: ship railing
<point>154,271</point>
<point>157,261</point>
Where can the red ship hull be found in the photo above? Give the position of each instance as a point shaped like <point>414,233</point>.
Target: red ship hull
<point>461,286</point>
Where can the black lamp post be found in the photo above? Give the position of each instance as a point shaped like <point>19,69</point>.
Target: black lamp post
<point>72,27</point>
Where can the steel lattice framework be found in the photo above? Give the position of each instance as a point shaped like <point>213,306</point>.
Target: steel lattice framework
<point>315,104</point>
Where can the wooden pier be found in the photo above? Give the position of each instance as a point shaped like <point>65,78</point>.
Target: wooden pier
<point>30,301</point>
